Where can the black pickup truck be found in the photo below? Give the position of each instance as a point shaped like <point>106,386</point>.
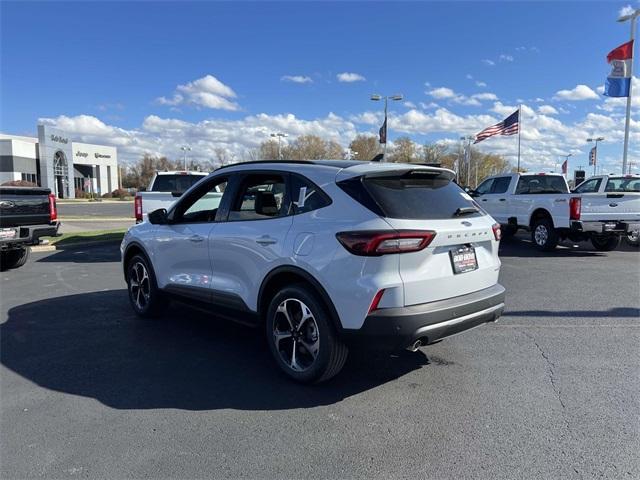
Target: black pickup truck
<point>26,214</point>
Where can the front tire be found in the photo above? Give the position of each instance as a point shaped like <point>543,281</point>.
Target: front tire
<point>301,336</point>
<point>146,299</point>
<point>606,243</point>
<point>633,238</point>
<point>544,235</point>
<point>14,258</point>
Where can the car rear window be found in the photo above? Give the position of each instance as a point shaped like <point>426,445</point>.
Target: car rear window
<point>533,184</point>
<point>175,183</point>
<point>411,195</point>
<point>623,184</point>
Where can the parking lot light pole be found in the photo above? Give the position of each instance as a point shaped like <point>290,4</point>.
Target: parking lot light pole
<point>632,18</point>
<point>185,149</point>
<point>279,136</point>
<point>376,98</point>
<point>595,158</point>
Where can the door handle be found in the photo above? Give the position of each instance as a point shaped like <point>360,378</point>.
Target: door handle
<point>196,238</point>
<point>266,240</point>
<point>484,199</point>
<point>503,199</point>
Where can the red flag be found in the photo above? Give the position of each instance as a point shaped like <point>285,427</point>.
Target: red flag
<point>564,166</point>
<point>623,52</point>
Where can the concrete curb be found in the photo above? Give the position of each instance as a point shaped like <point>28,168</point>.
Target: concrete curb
<point>67,246</point>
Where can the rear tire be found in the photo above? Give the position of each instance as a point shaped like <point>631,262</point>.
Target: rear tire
<point>605,243</point>
<point>508,231</point>
<point>301,336</point>
<point>146,299</point>
<point>544,235</point>
<point>14,258</point>
<point>633,238</point>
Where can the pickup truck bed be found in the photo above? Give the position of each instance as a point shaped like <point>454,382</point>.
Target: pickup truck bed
<point>26,214</point>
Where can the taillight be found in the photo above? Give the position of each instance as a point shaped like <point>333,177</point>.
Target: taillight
<point>376,301</point>
<point>376,243</point>
<point>497,231</point>
<point>575,205</point>
<point>137,208</point>
<point>53,209</point>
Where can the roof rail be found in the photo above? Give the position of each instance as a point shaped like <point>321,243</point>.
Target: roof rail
<point>253,162</point>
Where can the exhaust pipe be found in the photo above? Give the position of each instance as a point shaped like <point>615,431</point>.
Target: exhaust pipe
<point>416,345</point>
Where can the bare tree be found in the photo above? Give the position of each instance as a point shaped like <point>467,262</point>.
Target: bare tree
<point>312,147</point>
<point>404,151</point>
<point>268,150</point>
<point>433,152</point>
<point>366,147</point>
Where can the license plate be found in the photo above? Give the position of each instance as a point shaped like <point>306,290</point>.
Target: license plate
<point>7,233</point>
<point>463,259</point>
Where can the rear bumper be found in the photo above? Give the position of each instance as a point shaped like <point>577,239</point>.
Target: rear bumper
<point>397,328</point>
<point>30,235</point>
<point>606,226</point>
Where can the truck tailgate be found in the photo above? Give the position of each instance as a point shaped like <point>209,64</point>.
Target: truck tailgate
<point>23,206</point>
<point>610,206</point>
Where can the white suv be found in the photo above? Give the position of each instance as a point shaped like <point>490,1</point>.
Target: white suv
<point>321,254</point>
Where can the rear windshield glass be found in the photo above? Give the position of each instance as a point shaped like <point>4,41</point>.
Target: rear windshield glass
<point>175,183</point>
<point>541,184</point>
<point>416,195</point>
<point>622,184</point>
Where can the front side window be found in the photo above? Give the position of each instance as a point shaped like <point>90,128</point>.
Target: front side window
<point>590,186</point>
<point>306,196</point>
<point>500,184</point>
<point>260,197</point>
<point>485,187</point>
<point>203,205</point>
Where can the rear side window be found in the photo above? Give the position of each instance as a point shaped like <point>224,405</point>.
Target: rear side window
<point>175,183</point>
<point>541,184</point>
<point>413,195</point>
<point>306,196</point>
<point>590,186</point>
<point>500,184</point>
<point>261,196</point>
<point>622,184</point>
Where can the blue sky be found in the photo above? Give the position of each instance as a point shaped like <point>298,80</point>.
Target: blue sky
<point>128,73</point>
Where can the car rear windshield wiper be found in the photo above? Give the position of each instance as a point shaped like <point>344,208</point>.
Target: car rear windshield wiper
<point>465,211</point>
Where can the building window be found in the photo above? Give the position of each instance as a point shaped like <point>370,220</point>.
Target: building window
<point>29,177</point>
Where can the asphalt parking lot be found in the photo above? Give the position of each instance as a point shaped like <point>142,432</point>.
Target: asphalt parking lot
<point>92,216</point>
<point>550,391</point>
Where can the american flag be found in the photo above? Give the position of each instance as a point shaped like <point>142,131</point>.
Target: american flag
<point>509,126</point>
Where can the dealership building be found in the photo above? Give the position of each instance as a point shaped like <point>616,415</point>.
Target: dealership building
<point>54,161</point>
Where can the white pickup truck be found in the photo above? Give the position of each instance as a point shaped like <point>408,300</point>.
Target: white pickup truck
<point>164,189</point>
<point>601,209</point>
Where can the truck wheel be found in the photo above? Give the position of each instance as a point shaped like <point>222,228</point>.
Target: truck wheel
<point>544,235</point>
<point>633,238</point>
<point>14,258</point>
<point>301,336</point>
<point>605,243</point>
<point>145,297</point>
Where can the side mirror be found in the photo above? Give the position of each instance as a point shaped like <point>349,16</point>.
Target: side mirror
<point>176,194</point>
<point>158,217</point>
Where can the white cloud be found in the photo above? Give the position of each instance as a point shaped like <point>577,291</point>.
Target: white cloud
<point>485,96</point>
<point>296,79</point>
<point>469,76</point>
<point>207,92</point>
<point>547,110</point>
<point>480,84</point>
<point>506,58</point>
<point>409,104</point>
<point>580,92</point>
<point>441,92</point>
<point>488,62</point>
<point>428,106</point>
<point>626,10</point>
<point>349,77</point>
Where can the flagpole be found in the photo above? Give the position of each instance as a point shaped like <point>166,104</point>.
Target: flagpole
<point>628,117</point>
<point>519,130</point>
<point>386,132</point>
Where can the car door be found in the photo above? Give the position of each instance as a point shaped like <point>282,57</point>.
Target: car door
<point>484,196</point>
<point>499,202</point>
<point>252,240</point>
<point>181,248</point>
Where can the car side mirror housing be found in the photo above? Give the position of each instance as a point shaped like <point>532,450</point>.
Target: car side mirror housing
<point>158,217</point>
